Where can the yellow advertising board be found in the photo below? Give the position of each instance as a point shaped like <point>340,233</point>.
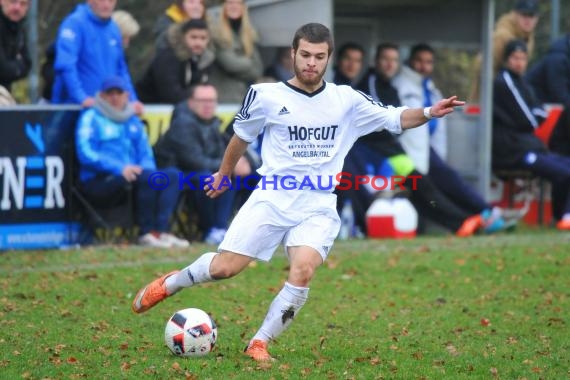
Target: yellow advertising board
<point>157,118</point>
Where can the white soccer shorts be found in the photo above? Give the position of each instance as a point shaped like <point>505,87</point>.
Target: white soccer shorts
<point>292,218</point>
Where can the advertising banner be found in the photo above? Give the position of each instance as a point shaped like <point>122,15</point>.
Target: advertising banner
<point>37,160</point>
<point>36,155</point>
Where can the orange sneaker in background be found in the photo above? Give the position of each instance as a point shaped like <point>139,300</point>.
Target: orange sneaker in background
<point>470,226</point>
<point>563,225</point>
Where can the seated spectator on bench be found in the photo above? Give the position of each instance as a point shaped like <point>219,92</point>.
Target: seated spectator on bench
<point>183,62</point>
<point>349,62</point>
<point>550,79</point>
<point>281,69</point>
<point>195,145</point>
<point>427,145</point>
<point>516,114</point>
<point>88,50</point>
<point>113,152</point>
<point>380,153</point>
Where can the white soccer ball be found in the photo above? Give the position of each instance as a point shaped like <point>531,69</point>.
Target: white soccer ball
<point>190,332</point>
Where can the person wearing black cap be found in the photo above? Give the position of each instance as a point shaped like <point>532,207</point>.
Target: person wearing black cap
<point>519,23</point>
<point>516,114</point>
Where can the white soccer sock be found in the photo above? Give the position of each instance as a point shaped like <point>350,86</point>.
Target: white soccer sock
<point>196,273</point>
<point>282,311</point>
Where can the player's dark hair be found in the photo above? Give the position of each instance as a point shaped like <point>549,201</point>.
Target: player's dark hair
<point>192,24</point>
<point>385,46</point>
<point>314,33</point>
<point>419,48</point>
<point>347,47</point>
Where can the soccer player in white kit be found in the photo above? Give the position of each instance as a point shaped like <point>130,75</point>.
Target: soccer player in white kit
<point>309,126</point>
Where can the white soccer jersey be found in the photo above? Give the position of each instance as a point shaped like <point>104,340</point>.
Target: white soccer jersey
<point>308,135</point>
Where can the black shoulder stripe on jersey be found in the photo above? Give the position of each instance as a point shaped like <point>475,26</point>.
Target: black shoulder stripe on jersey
<point>243,114</point>
<point>370,99</point>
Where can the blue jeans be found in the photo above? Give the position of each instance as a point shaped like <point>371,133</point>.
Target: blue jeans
<point>154,207</point>
<point>212,213</point>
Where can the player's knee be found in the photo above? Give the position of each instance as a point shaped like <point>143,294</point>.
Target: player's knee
<point>223,272</point>
<point>301,274</point>
<point>227,265</point>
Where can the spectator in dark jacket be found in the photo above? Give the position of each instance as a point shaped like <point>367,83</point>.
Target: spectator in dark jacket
<point>550,79</point>
<point>184,62</point>
<point>516,114</point>
<point>377,83</point>
<point>14,56</point>
<point>47,73</point>
<point>281,69</point>
<point>349,62</point>
<point>195,145</point>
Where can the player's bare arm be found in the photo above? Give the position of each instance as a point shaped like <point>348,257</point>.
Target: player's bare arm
<point>235,149</point>
<point>412,118</point>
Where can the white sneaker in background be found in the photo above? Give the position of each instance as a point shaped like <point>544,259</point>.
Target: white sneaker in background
<point>150,240</point>
<point>173,240</point>
<point>215,236</point>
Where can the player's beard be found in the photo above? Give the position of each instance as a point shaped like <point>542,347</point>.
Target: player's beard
<point>306,80</point>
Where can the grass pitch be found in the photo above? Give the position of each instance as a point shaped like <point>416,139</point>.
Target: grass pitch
<point>428,308</point>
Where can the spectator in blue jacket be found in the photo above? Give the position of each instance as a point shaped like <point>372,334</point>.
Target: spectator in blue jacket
<point>114,154</point>
<point>88,50</point>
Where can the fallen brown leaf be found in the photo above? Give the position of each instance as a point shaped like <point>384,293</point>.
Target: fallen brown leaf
<point>72,360</point>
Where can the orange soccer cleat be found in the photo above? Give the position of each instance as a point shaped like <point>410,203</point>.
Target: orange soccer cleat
<point>257,350</point>
<point>563,225</point>
<point>151,294</point>
<point>470,226</point>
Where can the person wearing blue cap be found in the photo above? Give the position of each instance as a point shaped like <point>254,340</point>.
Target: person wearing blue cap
<point>114,154</point>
